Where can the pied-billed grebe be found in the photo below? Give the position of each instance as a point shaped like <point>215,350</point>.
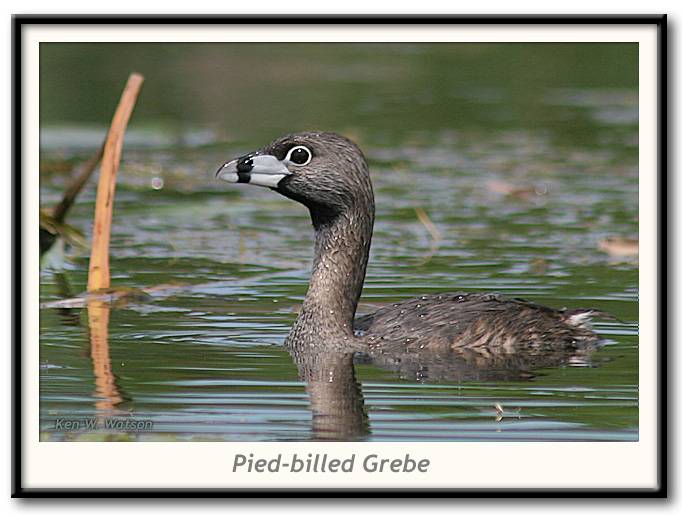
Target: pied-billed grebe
<point>329,175</point>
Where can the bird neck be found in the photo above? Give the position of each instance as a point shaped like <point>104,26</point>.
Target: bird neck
<point>342,242</point>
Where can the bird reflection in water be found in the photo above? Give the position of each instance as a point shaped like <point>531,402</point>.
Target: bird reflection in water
<point>335,394</point>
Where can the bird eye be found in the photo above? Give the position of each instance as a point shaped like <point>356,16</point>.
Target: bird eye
<point>299,155</point>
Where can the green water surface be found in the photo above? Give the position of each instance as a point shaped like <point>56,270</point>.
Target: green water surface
<point>523,156</point>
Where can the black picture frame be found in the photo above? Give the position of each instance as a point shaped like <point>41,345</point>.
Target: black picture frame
<point>660,21</point>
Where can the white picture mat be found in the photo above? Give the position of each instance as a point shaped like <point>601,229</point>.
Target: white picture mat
<point>453,465</point>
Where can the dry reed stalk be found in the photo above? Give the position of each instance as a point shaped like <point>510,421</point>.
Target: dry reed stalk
<point>76,185</point>
<point>98,274</point>
<point>433,231</point>
<point>428,224</point>
<point>54,220</point>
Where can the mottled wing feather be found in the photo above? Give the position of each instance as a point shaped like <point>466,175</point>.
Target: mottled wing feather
<point>488,322</point>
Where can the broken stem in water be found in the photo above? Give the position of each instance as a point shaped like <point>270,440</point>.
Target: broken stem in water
<point>98,274</point>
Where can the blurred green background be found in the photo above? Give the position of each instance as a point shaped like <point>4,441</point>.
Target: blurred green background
<point>251,90</point>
